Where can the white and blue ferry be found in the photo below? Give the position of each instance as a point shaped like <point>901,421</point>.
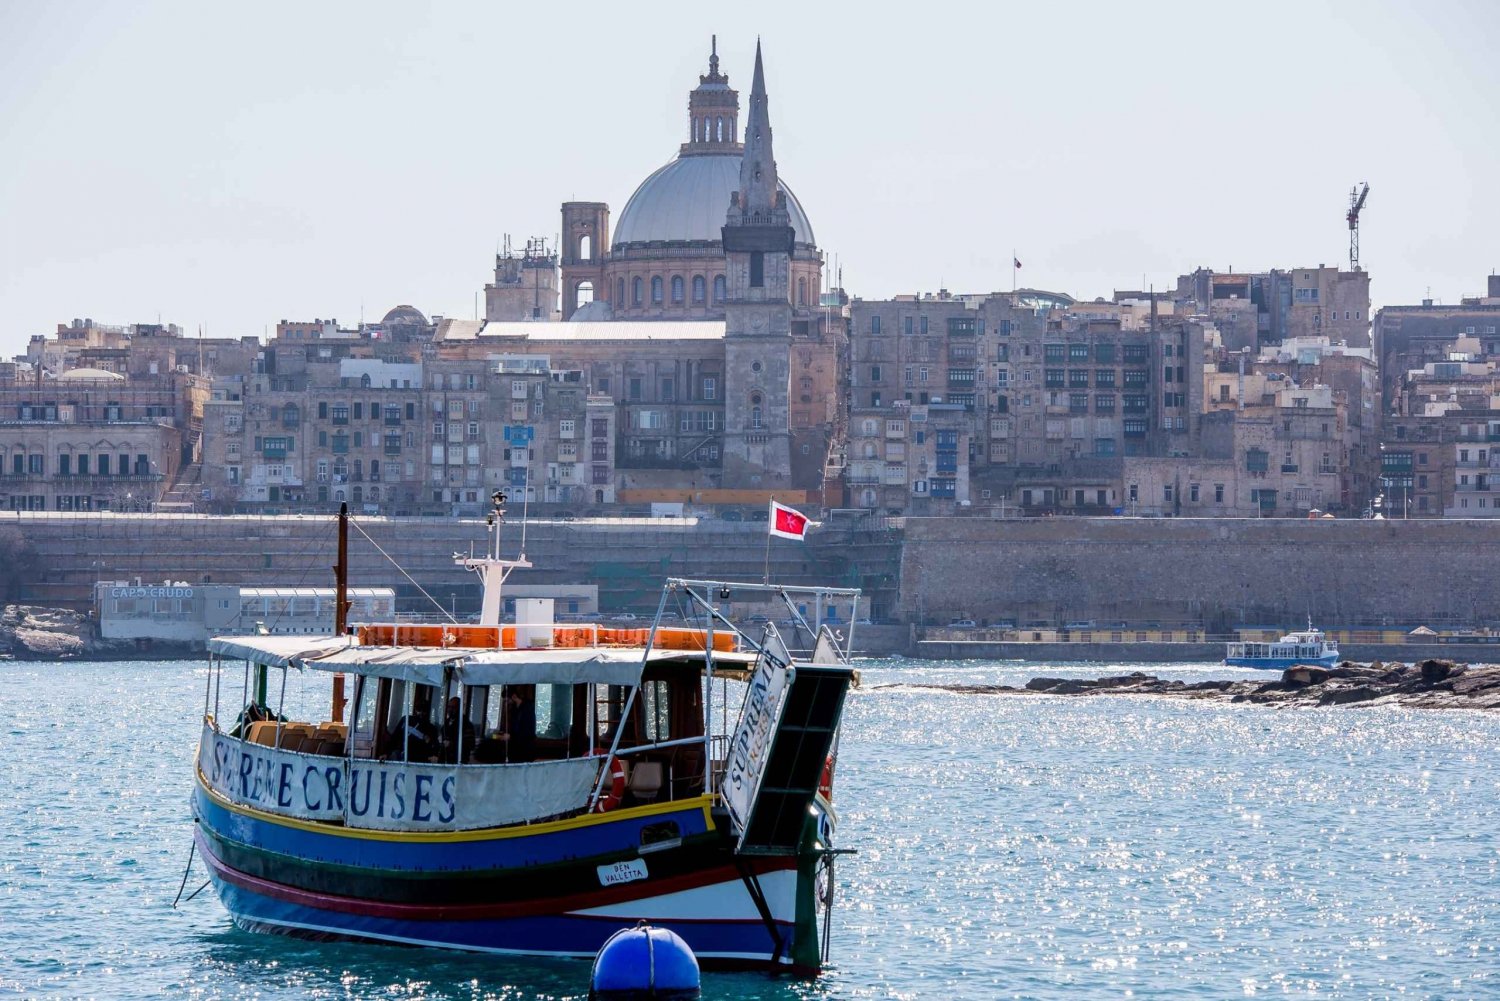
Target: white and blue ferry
<point>531,788</point>
<point>1309,647</point>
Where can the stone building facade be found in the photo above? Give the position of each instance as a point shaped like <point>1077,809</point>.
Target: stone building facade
<point>90,439</point>
<point>1253,309</point>
<point>1038,401</point>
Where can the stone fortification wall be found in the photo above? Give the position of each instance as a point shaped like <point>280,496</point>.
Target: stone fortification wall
<point>627,559</point>
<point>1218,572</point>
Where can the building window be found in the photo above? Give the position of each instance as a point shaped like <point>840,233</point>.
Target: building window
<point>636,287</point>
<point>802,291</point>
<point>720,292</point>
<point>620,292</point>
<point>677,290</point>
<point>700,289</point>
<point>875,324</point>
<point>757,269</point>
<point>710,387</point>
<point>656,290</point>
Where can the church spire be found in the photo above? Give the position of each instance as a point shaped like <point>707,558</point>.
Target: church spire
<point>758,167</point>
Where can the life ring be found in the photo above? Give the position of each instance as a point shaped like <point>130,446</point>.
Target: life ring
<point>616,794</point>
<point>825,783</point>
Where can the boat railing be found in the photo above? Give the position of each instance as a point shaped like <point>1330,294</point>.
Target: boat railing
<point>539,637</point>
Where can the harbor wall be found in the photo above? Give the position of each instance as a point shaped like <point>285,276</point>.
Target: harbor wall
<point>1185,653</point>
<point>627,558</point>
<point>1220,573</point>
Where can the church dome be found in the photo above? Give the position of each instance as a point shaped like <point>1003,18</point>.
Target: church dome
<point>405,314</point>
<point>687,200</point>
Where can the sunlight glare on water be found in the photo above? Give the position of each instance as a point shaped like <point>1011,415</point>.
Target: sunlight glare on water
<point>1026,847</point>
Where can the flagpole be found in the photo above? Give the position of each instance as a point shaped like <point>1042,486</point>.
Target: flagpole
<point>1013,260</point>
<point>771,524</point>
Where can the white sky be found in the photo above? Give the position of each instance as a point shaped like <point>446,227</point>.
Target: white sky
<point>231,165</point>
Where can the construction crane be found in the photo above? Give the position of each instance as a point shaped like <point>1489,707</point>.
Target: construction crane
<point>1357,198</point>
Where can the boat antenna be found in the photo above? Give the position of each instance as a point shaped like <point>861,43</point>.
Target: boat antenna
<point>341,605</point>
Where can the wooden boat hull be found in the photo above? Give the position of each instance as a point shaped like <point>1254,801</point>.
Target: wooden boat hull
<point>554,889</point>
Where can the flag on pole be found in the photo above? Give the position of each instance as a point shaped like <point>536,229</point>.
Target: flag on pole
<point>787,523</point>
<point>1017,261</point>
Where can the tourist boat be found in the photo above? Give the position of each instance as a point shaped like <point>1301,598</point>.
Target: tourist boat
<point>1309,647</point>
<point>531,788</point>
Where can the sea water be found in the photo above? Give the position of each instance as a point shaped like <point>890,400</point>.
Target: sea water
<point>1009,847</point>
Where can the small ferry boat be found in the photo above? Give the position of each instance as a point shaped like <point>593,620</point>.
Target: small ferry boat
<point>1309,647</point>
<point>532,788</point>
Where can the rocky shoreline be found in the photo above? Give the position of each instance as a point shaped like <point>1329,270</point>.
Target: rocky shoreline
<point>1428,684</point>
<point>30,632</point>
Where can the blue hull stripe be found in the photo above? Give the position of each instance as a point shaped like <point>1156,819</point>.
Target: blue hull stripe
<point>336,849</point>
<point>567,935</point>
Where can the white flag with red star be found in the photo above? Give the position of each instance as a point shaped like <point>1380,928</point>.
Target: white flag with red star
<point>788,523</point>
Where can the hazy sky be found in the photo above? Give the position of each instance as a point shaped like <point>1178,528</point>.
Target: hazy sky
<point>231,165</point>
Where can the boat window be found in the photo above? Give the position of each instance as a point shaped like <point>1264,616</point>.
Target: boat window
<point>655,700</point>
<point>365,714</point>
<point>554,711</point>
<point>494,711</point>
<point>607,712</point>
<point>667,830</point>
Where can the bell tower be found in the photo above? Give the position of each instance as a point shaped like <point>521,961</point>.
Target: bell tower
<point>758,246</point>
<point>585,236</point>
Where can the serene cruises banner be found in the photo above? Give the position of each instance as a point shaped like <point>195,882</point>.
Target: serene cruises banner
<point>391,795</point>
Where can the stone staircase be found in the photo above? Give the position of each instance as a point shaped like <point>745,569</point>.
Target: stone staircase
<point>185,492</point>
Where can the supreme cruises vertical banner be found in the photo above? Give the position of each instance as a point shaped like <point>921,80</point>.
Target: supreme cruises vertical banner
<point>752,738</point>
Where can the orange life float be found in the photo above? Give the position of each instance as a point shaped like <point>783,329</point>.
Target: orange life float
<point>616,794</point>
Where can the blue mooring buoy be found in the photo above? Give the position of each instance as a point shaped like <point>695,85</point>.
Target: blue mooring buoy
<point>645,964</point>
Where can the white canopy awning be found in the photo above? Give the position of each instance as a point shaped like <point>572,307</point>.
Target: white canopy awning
<point>426,665</point>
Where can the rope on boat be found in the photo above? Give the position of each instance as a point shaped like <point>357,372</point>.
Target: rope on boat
<point>398,566</point>
<point>192,847</point>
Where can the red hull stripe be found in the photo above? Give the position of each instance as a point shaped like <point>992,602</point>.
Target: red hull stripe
<point>469,912</point>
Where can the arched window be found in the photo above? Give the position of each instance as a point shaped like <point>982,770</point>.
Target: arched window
<point>636,291</point>
<point>359,469</point>
<point>802,291</point>
<point>583,294</point>
<point>700,288</point>
<point>585,248</point>
<point>620,293</point>
<point>677,289</point>
<point>656,290</point>
<point>720,294</point>
<point>719,129</point>
<point>755,417</point>
<point>374,494</point>
<point>359,495</point>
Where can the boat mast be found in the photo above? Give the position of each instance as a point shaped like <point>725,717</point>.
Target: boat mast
<point>341,605</point>
<point>491,568</point>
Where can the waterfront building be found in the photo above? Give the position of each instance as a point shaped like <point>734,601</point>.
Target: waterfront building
<point>178,612</point>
